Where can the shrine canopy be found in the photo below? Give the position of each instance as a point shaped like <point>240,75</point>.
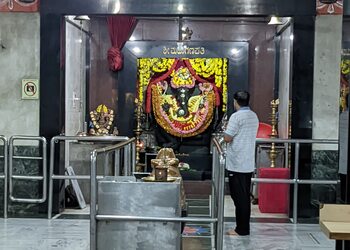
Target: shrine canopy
<point>183,93</point>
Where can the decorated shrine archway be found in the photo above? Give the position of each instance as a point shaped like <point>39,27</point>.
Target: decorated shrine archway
<point>206,77</point>
<point>183,93</point>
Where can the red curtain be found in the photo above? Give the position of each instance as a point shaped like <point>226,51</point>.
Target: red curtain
<point>154,81</point>
<point>120,29</point>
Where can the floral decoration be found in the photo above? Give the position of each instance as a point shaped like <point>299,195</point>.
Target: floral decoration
<point>183,92</point>
<point>201,109</point>
<point>344,83</point>
<point>182,78</point>
<point>345,66</point>
<point>147,68</point>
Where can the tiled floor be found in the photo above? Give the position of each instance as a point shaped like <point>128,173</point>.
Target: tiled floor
<point>42,234</point>
<point>266,236</point>
<point>63,232</point>
<point>230,211</point>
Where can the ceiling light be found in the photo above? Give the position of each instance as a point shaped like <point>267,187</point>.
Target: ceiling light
<point>275,21</point>
<point>82,18</point>
<point>291,37</point>
<point>132,38</point>
<point>234,51</point>
<point>116,7</point>
<point>180,7</point>
<point>136,49</point>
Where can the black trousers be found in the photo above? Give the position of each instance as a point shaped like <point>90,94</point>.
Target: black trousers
<point>240,193</point>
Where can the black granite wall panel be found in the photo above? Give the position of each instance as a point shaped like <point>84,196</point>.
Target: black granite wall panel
<point>302,89</point>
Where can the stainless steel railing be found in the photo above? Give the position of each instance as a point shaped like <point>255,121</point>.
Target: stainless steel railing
<point>129,168</point>
<point>42,177</point>
<point>218,191</point>
<point>4,175</point>
<point>59,138</point>
<point>295,181</point>
<point>216,218</point>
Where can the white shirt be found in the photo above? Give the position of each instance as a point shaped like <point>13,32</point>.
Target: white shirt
<point>243,127</point>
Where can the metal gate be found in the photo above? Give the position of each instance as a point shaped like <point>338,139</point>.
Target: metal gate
<point>42,177</point>
<point>4,175</point>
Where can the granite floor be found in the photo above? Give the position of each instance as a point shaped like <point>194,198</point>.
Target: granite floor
<point>70,230</point>
<point>73,234</point>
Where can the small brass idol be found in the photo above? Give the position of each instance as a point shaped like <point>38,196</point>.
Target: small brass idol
<point>166,158</point>
<point>274,134</point>
<point>166,168</point>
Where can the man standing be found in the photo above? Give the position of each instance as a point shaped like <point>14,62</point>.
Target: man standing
<point>240,136</point>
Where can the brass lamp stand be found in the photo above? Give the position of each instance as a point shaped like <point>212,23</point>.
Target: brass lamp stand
<point>138,132</point>
<point>290,133</point>
<point>273,152</point>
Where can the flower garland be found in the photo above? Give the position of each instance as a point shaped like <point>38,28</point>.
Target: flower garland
<point>184,127</point>
<point>224,85</point>
<point>344,84</point>
<point>217,67</point>
<point>205,67</point>
<point>182,78</point>
<point>345,66</point>
<point>146,69</point>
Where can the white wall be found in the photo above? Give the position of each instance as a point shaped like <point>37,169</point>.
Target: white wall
<point>284,82</point>
<point>20,34</point>
<point>328,32</point>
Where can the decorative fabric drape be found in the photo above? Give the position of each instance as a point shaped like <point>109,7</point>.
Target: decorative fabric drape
<point>158,79</point>
<point>198,78</point>
<point>167,74</point>
<point>120,29</point>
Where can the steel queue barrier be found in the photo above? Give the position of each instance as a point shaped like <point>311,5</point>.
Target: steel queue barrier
<point>296,181</point>
<point>218,166</point>
<point>218,139</point>
<point>216,218</point>
<point>129,168</point>
<point>4,176</point>
<point>42,177</point>
<point>59,138</point>
<point>218,192</point>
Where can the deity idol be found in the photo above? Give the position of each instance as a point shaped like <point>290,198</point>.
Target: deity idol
<point>102,120</point>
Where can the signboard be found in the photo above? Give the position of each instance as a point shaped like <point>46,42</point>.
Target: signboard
<point>30,89</point>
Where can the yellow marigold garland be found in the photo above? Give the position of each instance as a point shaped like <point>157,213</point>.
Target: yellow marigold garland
<point>149,66</point>
<point>224,85</point>
<point>345,66</point>
<point>156,102</point>
<point>207,67</point>
<point>204,67</point>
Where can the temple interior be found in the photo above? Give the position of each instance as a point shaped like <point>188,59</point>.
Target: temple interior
<point>115,114</point>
